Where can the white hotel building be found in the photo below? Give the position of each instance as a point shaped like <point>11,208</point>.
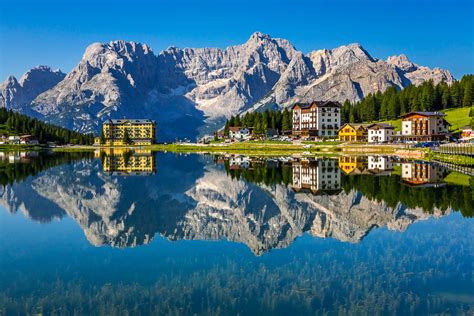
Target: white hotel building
<point>316,119</point>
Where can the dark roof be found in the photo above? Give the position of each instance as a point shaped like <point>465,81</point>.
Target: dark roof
<point>424,113</point>
<point>319,104</point>
<point>355,125</point>
<point>132,121</point>
<point>381,125</point>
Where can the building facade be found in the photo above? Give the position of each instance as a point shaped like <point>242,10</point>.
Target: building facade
<point>380,133</point>
<point>239,133</point>
<point>140,132</point>
<point>353,132</point>
<point>316,176</point>
<point>424,126</point>
<point>316,119</point>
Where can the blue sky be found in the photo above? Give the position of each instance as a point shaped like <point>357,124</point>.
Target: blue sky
<point>56,33</point>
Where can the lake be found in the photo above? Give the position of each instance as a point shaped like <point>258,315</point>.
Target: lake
<point>138,232</point>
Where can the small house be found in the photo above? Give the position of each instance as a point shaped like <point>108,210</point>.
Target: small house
<point>14,140</point>
<point>353,132</point>
<point>28,140</point>
<point>239,133</point>
<point>380,133</point>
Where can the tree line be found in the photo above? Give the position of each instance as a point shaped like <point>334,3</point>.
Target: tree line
<point>259,122</point>
<point>426,97</point>
<point>19,124</point>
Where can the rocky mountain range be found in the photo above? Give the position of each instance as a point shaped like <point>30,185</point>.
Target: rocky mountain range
<point>195,200</point>
<point>197,88</point>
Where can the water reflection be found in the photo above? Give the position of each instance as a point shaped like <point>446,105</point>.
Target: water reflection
<point>263,203</point>
<point>124,161</point>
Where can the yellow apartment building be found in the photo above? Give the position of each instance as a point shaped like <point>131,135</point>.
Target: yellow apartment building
<point>353,132</point>
<point>140,132</point>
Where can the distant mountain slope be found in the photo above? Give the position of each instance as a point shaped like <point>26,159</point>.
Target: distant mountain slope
<point>191,91</point>
<point>18,94</point>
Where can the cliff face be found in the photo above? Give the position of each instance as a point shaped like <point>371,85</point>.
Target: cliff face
<point>198,88</point>
<point>18,95</point>
<point>204,204</point>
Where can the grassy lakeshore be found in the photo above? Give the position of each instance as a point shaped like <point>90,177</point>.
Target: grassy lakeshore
<point>264,148</point>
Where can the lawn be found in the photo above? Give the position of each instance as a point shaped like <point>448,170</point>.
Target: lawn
<point>458,118</point>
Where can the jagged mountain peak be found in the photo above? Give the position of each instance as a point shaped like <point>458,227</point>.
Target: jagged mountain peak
<point>402,62</point>
<point>206,85</point>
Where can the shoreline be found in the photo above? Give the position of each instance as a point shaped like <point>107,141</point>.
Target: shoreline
<point>270,149</point>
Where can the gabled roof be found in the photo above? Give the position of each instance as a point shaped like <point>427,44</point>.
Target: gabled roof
<point>423,113</point>
<point>380,126</point>
<point>319,104</point>
<point>355,125</point>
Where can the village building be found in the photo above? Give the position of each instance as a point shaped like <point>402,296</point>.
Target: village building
<point>28,140</point>
<point>467,133</point>
<point>140,132</point>
<point>316,176</point>
<point>380,133</point>
<point>316,119</point>
<point>239,133</point>
<point>422,174</point>
<point>424,126</point>
<point>353,132</point>
<point>14,140</point>
<point>272,132</point>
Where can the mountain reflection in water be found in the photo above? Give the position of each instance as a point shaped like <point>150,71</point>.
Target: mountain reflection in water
<point>263,203</point>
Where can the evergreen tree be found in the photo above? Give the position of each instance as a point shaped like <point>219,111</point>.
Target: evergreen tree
<point>468,94</point>
<point>226,129</point>
<point>102,137</point>
<point>126,137</point>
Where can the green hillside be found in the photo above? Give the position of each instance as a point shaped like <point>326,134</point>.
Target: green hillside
<point>457,117</point>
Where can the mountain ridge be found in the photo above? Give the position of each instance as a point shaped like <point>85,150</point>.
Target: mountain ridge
<point>198,88</point>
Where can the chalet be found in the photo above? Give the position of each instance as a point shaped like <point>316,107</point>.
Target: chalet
<point>353,132</point>
<point>380,133</point>
<point>239,133</point>
<point>14,140</point>
<point>28,140</point>
<point>316,119</point>
<point>424,126</point>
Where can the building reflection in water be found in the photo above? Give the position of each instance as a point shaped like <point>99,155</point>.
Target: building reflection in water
<point>423,174</point>
<point>380,165</point>
<point>352,165</point>
<point>316,176</point>
<point>18,157</point>
<point>124,161</point>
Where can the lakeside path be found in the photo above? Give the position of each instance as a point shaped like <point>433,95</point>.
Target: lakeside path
<point>272,148</point>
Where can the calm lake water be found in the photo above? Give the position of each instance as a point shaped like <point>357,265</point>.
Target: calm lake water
<point>158,233</point>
